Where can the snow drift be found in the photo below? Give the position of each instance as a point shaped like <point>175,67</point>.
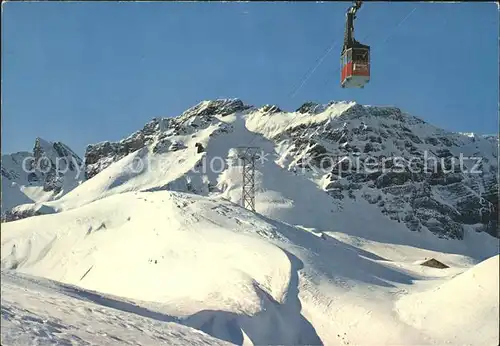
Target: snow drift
<point>461,306</point>
<point>39,311</point>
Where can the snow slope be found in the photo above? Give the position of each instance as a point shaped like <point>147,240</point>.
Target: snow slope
<point>234,274</point>
<point>41,312</point>
<point>460,306</point>
<point>12,195</point>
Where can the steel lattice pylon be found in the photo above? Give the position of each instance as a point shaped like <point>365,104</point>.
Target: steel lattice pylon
<point>248,155</point>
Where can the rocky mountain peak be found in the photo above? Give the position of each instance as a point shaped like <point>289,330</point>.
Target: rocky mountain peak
<point>220,106</point>
<point>50,170</point>
<point>270,109</point>
<point>158,131</point>
<point>50,162</point>
<point>310,107</point>
<point>54,150</point>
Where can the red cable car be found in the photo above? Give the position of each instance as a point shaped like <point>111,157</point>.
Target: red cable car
<point>355,56</point>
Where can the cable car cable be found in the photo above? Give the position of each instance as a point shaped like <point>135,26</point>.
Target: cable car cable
<point>397,26</point>
<point>311,72</point>
<point>354,8</point>
<point>305,76</point>
<point>381,44</point>
<point>338,68</point>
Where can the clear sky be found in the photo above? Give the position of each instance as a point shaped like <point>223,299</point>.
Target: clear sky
<point>86,72</point>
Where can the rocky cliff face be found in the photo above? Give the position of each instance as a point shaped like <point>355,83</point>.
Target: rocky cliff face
<point>158,131</point>
<point>53,164</point>
<point>415,173</point>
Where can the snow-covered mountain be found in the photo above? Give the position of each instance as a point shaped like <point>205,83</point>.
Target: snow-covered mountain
<point>45,174</point>
<point>414,173</point>
<point>350,199</point>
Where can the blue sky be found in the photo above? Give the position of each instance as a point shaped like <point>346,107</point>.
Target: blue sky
<point>86,72</point>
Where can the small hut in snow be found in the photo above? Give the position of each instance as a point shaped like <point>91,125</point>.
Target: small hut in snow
<point>434,263</point>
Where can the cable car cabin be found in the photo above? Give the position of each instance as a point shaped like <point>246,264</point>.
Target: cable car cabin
<point>355,63</point>
<point>355,56</point>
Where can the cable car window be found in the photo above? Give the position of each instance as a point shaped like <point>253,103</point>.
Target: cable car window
<point>361,56</point>
<point>357,56</point>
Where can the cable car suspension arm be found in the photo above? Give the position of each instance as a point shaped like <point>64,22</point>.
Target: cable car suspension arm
<point>349,40</point>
